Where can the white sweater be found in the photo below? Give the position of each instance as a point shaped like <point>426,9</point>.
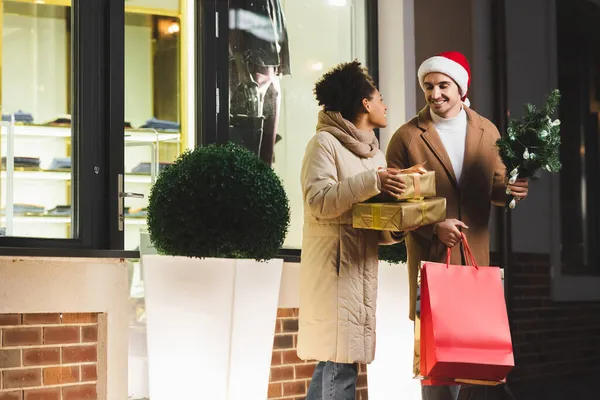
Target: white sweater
<point>453,132</point>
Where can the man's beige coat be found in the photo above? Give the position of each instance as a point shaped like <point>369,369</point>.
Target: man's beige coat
<point>482,182</point>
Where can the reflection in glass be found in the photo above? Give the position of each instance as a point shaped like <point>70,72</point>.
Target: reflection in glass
<point>259,55</point>
<point>278,49</point>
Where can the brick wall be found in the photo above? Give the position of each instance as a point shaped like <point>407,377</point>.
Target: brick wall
<point>550,339</point>
<point>290,376</point>
<point>48,356</point>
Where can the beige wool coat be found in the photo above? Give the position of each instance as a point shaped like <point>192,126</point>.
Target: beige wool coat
<point>339,266</point>
<point>482,184</point>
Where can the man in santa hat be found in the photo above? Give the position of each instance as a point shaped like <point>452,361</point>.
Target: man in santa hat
<point>460,146</point>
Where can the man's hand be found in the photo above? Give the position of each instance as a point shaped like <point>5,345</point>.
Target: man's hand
<point>391,182</point>
<point>448,231</point>
<point>519,189</point>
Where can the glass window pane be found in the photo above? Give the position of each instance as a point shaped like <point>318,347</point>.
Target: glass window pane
<point>36,177</point>
<point>277,53</point>
<point>153,108</point>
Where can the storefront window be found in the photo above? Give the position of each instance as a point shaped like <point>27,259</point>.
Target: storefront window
<point>278,49</point>
<point>153,104</point>
<point>36,178</point>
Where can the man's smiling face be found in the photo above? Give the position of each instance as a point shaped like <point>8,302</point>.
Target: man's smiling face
<point>442,94</point>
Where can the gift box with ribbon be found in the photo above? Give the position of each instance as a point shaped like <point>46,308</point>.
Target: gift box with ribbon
<point>420,184</point>
<point>399,216</point>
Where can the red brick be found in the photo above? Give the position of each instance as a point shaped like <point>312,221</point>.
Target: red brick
<point>78,354</point>
<point>41,356</point>
<point>10,319</point>
<point>283,342</point>
<point>61,335</point>
<point>80,318</point>
<point>290,325</point>
<point>275,390</point>
<point>81,392</point>
<point>276,358</point>
<point>21,336</point>
<point>61,375</point>
<point>89,373</point>
<point>10,358</point>
<point>89,333</point>
<point>294,388</point>
<point>278,326</point>
<point>282,374</point>
<point>42,394</point>
<point>39,319</point>
<point>11,395</point>
<point>291,357</point>
<point>304,371</point>
<point>21,378</point>
<point>287,313</point>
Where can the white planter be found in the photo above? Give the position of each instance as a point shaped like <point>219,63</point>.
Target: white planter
<point>391,371</point>
<point>211,326</point>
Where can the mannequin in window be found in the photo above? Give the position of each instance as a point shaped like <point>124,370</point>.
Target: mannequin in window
<point>259,55</point>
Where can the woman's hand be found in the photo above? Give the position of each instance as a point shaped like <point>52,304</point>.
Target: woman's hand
<point>391,182</point>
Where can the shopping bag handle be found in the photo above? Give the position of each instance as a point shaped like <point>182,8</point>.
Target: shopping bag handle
<point>470,258</point>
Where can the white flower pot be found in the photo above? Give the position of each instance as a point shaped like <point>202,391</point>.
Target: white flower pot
<point>210,326</point>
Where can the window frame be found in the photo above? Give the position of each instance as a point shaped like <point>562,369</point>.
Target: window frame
<point>97,98</point>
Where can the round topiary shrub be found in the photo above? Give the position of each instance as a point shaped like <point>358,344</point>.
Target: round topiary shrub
<point>218,201</point>
<point>394,254</point>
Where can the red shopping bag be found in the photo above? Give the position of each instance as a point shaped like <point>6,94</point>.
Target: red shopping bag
<point>464,324</point>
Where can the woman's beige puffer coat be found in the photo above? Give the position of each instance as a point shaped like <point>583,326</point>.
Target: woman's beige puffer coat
<point>338,279</point>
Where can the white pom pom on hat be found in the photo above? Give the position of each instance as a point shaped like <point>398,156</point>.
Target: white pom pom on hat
<point>451,63</point>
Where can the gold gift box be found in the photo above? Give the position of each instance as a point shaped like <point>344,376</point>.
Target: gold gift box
<point>418,185</point>
<point>399,216</point>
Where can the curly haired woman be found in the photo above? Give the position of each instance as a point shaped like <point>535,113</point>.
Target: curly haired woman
<point>342,166</point>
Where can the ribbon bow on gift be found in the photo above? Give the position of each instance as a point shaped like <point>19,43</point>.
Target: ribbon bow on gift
<point>415,172</point>
<point>415,169</point>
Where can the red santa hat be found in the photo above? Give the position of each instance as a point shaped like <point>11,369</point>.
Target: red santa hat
<point>451,63</point>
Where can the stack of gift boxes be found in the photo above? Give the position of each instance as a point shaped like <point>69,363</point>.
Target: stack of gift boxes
<point>416,207</point>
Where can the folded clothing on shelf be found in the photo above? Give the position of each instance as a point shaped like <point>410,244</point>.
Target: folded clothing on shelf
<point>60,210</point>
<point>162,125</point>
<point>136,212</point>
<point>26,209</point>
<point>23,162</point>
<point>60,163</point>
<point>144,167</point>
<point>63,120</point>
<point>20,116</point>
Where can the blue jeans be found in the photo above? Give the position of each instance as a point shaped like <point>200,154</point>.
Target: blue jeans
<point>333,381</point>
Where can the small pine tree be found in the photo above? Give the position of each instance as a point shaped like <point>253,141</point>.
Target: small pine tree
<point>532,142</point>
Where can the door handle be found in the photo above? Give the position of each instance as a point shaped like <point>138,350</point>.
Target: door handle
<point>120,201</point>
<point>130,194</point>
